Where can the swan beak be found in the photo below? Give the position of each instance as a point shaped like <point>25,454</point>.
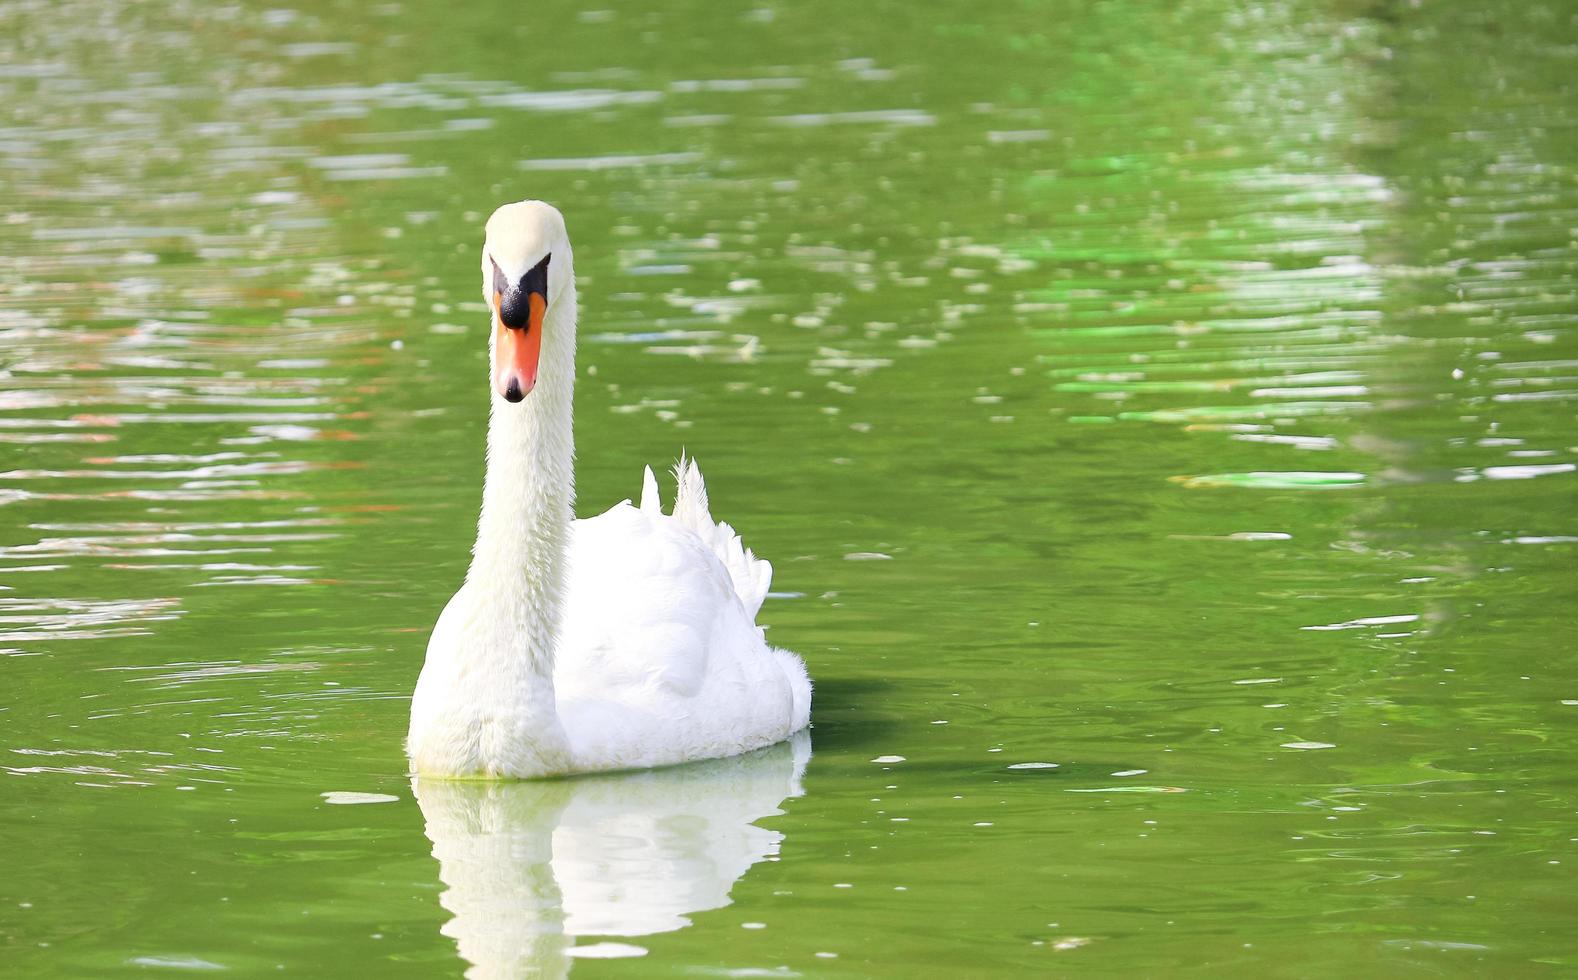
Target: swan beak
<point>516,349</point>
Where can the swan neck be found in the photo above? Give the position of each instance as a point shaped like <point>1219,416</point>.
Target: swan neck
<point>528,503</point>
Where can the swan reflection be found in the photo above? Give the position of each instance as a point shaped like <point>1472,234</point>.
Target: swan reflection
<point>530,866</point>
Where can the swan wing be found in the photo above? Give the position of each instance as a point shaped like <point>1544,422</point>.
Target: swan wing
<point>647,611</point>
<point>751,576</point>
<point>659,654</point>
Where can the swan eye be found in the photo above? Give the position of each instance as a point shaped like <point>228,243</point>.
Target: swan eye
<point>501,283</point>
<point>536,281</point>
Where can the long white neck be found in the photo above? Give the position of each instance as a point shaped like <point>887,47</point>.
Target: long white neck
<point>528,502</point>
<point>485,703</point>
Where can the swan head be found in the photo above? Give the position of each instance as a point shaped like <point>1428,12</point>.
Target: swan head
<point>525,270</point>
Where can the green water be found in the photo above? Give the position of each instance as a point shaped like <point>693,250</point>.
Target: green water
<point>1161,418</point>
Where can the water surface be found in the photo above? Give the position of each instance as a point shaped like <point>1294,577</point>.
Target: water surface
<point>1161,419</point>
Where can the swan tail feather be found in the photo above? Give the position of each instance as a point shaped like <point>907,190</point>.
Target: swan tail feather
<point>799,688</point>
<point>752,576</point>
<point>650,501</point>
<point>690,501</point>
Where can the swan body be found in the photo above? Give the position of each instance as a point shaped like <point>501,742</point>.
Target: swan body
<point>622,641</point>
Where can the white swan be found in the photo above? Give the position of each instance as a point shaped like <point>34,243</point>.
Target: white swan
<point>623,641</point>
<point>530,867</point>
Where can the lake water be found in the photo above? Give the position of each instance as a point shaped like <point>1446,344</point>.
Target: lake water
<point>1161,418</point>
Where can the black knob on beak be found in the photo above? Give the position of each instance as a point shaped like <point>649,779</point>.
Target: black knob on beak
<point>514,308</point>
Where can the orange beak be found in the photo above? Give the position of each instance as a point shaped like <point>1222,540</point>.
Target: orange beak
<point>516,350</point>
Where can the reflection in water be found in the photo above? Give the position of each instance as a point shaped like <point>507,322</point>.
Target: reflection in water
<point>528,866</point>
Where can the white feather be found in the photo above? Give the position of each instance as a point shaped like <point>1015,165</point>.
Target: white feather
<point>650,503</point>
